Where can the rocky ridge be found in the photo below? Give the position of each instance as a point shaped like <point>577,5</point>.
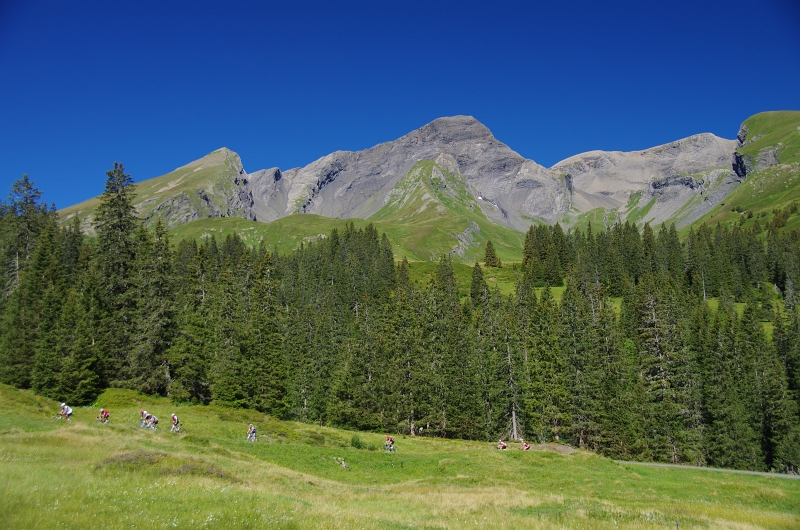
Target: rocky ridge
<point>678,181</point>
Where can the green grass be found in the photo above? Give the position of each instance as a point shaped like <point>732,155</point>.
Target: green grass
<point>779,127</point>
<point>214,173</point>
<point>764,191</point>
<point>81,474</point>
<point>429,207</point>
<point>285,234</point>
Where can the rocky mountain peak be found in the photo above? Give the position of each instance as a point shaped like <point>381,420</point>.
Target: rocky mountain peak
<point>451,129</point>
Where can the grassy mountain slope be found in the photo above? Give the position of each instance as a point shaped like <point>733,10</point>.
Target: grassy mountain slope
<point>285,234</point>
<point>431,212</point>
<point>191,191</point>
<point>769,189</point>
<point>778,128</point>
<point>81,474</point>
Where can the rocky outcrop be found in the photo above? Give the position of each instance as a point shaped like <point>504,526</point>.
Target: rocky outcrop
<point>671,173</point>
<point>508,188</point>
<point>356,184</point>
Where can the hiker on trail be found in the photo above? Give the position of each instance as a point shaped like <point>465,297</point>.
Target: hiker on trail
<point>103,416</point>
<point>65,412</point>
<point>176,423</point>
<point>502,445</point>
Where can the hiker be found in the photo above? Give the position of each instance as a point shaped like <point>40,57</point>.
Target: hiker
<point>502,445</point>
<point>65,412</point>
<point>103,416</point>
<point>176,423</point>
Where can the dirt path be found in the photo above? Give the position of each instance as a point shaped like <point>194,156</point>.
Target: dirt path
<point>777,475</point>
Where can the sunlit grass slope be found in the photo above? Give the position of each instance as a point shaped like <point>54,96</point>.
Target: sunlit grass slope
<point>213,175</point>
<point>81,474</point>
<point>431,212</point>
<point>285,234</point>
<point>778,128</point>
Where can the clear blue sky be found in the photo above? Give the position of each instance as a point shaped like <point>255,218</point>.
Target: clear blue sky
<point>157,84</point>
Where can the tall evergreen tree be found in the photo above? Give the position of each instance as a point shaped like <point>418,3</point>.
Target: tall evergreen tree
<point>116,225</point>
<point>490,258</point>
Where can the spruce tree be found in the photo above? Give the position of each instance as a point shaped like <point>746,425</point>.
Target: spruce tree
<point>265,367</point>
<point>79,381</point>
<point>155,312</point>
<point>479,291</point>
<point>490,259</point>
<point>116,225</point>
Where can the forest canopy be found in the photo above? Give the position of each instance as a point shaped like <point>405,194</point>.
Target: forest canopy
<point>633,361</point>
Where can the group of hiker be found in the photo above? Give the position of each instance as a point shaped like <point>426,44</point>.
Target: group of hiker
<point>525,446</point>
<point>150,421</point>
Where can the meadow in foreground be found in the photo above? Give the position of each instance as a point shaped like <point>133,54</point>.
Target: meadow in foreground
<point>83,474</point>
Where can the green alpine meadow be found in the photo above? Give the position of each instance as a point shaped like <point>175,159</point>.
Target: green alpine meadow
<point>85,474</point>
<point>626,324</point>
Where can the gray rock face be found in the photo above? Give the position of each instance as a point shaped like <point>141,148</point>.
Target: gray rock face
<point>510,189</point>
<point>685,176</point>
<point>356,184</point>
<point>672,174</point>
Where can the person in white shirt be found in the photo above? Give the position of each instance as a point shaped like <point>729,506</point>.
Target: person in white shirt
<point>66,412</point>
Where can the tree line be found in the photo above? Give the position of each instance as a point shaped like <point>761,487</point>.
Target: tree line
<point>646,355</point>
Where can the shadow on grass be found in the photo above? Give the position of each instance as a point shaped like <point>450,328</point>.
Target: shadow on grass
<point>160,463</point>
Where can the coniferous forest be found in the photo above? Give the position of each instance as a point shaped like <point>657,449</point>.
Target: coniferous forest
<point>336,333</point>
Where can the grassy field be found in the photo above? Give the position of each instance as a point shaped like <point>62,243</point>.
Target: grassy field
<point>82,474</point>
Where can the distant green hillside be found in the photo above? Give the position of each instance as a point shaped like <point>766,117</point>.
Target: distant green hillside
<point>772,189</point>
<point>200,187</point>
<point>285,234</point>
<point>430,212</point>
<point>767,129</point>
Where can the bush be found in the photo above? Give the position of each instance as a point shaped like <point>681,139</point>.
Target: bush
<point>356,442</point>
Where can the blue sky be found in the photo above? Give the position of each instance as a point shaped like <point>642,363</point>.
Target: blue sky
<point>157,84</point>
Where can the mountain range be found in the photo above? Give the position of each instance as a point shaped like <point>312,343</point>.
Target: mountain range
<point>451,185</point>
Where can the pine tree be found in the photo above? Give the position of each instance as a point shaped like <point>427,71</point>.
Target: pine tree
<point>155,312</point>
<point>548,393</point>
<point>78,380</point>
<point>479,291</point>
<point>730,440</point>
<point>490,259</point>
<point>116,225</point>
<point>265,367</point>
